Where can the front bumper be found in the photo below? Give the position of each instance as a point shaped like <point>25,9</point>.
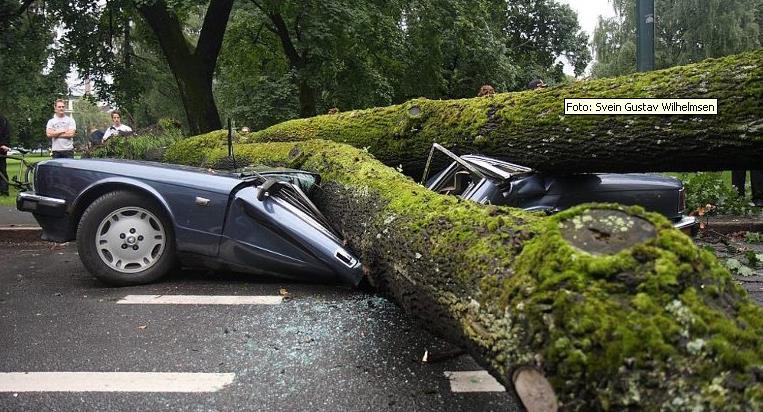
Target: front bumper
<point>42,205</point>
<point>50,213</point>
<point>688,225</point>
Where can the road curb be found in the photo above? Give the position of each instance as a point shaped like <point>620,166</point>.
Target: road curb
<point>732,224</point>
<point>18,233</point>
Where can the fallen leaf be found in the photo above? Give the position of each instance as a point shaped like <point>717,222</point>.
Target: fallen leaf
<point>284,293</point>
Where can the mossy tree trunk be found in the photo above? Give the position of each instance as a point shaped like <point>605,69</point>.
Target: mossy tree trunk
<point>530,128</point>
<point>615,307</point>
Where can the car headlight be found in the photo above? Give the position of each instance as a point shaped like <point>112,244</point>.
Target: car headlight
<point>682,200</point>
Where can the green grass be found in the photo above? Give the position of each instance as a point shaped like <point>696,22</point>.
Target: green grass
<point>725,176</point>
<point>13,170</point>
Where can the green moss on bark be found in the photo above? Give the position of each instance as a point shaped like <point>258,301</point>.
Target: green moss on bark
<point>655,324</point>
<point>530,128</point>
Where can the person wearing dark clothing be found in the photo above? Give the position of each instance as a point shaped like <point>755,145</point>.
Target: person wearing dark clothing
<point>5,143</point>
<point>536,84</point>
<point>738,178</point>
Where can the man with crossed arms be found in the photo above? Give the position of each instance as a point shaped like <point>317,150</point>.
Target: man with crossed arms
<point>61,130</point>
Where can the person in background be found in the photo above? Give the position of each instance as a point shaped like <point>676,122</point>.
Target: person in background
<point>96,136</point>
<point>61,130</point>
<point>536,84</point>
<point>738,178</point>
<point>5,146</point>
<point>116,126</point>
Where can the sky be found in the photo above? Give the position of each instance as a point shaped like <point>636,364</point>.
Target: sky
<point>588,14</point>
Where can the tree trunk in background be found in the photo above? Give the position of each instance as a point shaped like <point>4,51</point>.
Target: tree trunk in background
<point>529,128</point>
<point>198,100</point>
<point>193,67</point>
<point>615,307</point>
<point>306,98</point>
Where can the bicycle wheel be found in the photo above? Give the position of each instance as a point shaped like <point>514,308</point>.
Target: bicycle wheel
<point>29,173</point>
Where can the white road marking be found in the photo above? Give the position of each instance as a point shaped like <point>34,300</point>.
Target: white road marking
<point>113,382</point>
<point>473,381</point>
<point>199,300</point>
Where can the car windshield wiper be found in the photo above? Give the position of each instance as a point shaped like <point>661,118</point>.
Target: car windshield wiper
<point>466,165</point>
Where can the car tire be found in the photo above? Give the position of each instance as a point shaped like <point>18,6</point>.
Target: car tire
<point>124,238</point>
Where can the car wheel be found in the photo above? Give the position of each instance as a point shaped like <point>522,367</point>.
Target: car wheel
<point>125,239</point>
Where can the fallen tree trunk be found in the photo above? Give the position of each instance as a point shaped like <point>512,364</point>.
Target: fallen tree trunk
<point>615,307</point>
<point>529,127</point>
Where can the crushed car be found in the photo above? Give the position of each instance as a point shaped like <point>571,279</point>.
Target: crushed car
<point>487,180</point>
<point>135,220</point>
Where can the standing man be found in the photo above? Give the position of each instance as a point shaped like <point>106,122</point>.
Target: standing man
<point>5,143</point>
<point>738,178</point>
<point>61,130</point>
<point>116,126</point>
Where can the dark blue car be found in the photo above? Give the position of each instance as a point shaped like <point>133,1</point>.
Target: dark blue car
<point>493,181</point>
<point>134,221</point>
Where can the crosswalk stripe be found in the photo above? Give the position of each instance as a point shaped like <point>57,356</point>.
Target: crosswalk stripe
<point>113,382</point>
<point>199,300</point>
<point>473,381</point>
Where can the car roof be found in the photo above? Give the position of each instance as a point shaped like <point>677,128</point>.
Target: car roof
<point>495,167</point>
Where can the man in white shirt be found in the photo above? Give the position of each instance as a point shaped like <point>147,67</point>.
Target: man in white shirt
<point>116,127</point>
<point>61,130</point>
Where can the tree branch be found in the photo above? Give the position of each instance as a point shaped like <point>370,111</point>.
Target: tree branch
<point>24,6</point>
<point>6,15</point>
<point>265,12</point>
<point>510,124</point>
<point>212,32</point>
<point>282,31</point>
<point>256,39</point>
<point>168,31</point>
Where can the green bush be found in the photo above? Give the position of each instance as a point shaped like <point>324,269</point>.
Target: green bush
<point>149,146</point>
<point>710,188</point>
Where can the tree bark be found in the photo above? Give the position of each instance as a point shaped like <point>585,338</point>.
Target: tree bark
<point>193,68</point>
<point>529,127</point>
<point>615,307</point>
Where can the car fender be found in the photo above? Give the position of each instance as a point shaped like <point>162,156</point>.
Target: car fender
<point>96,189</point>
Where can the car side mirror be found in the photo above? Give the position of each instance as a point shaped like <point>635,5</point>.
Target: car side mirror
<point>269,188</point>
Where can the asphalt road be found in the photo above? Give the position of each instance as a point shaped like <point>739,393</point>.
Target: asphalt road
<point>327,348</point>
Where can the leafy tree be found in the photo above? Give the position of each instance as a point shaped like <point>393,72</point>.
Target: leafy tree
<point>348,54</point>
<point>28,84</point>
<point>98,40</point>
<point>88,116</point>
<point>454,47</point>
<point>147,91</point>
<point>686,31</point>
<point>254,83</point>
<point>539,31</point>
<point>303,57</point>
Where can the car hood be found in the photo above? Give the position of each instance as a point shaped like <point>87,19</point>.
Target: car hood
<point>215,180</point>
<point>606,182</point>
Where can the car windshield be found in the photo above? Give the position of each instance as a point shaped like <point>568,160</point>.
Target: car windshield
<point>305,180</point>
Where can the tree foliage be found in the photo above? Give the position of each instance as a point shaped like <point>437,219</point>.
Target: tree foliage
<point>686,31</point>
<point>28,83</point>
<point>311,56</point>
<point>283,59</point>
<point>98,38</point>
